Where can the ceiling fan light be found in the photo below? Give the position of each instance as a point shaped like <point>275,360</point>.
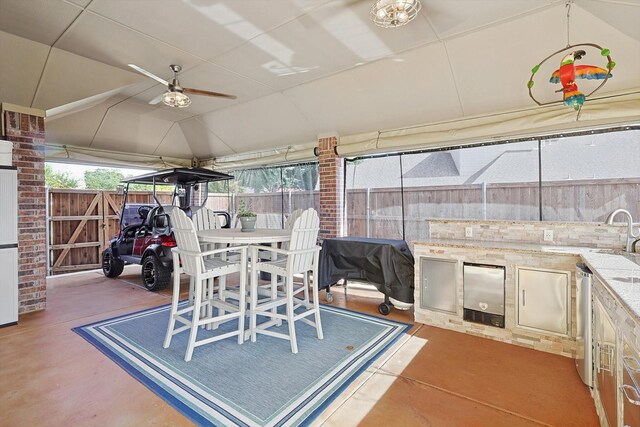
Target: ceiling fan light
<point>394,13</point>
<point>176,99</point>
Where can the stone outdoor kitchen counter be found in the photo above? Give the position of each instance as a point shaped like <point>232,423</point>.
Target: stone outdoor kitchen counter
<point>510,246</point>
<point>620,275</point>
<point>617,272</point>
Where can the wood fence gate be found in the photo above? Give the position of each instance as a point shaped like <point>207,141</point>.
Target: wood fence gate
<point>80,225</point>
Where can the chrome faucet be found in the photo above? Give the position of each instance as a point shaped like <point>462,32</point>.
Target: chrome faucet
<point>631,236</point>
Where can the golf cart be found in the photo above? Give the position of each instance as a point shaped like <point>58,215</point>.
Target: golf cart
<point>145,235</point>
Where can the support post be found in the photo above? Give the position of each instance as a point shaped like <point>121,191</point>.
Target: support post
<point>331,181</point>
<point>484,201</point>
<point>368,203</point>
<point>24,127</point>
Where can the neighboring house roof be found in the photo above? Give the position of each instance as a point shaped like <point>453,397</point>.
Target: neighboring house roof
<point>567,160</point>
<point>437,164</point>
<point>599,156</point>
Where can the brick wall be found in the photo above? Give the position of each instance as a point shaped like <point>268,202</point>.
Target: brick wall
<point>331,196</point>
<point>27,134</point>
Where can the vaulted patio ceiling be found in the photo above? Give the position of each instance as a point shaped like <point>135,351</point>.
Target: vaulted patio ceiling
<point>299,68</point>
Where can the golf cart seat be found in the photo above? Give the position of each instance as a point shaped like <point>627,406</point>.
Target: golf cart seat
<point>158,220</point>
<point>131,230</point>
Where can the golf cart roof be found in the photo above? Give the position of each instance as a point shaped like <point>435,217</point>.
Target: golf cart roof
<point>187,176</point>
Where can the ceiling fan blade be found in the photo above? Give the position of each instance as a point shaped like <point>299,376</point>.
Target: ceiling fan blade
<point>148,74</point>
<point>207,93</point>
<point>156,100</point>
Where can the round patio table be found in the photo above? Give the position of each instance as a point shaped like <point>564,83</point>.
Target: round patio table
<point>234,236</point>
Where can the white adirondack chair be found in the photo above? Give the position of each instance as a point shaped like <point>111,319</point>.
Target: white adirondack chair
<point>301,257</point>
<point>288,225</point>
<point>188,258</point>
<point>205,219</point>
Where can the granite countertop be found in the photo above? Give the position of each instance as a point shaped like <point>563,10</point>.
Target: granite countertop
<point>511,246</point>
<point>512,222</point>
<point>620,274</point>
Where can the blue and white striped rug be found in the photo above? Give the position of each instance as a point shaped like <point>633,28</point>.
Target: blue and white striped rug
<point>253,384</point>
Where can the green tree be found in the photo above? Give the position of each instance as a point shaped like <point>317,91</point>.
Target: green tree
<point>296,177</point>
<point>55,179</point>
<point>300,177</point>
<point>146,187</point>
<point>260,180</point>
<point>226,186</point>
<point>103,179</point>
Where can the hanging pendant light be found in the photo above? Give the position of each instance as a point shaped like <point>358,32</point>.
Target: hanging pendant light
<point>394,13</point>
<point>173,98</point>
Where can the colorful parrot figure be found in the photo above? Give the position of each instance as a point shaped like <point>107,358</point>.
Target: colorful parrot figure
<point>567,74</point>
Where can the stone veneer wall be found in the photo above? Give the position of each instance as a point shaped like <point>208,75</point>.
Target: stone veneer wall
<point>510,259</point>
<point>27,134</point>
<point>594,235</point>
<point>331,182</point>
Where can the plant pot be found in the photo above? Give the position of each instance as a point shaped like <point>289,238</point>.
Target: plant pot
<point>248,223</point>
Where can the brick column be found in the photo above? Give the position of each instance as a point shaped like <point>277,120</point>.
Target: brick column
<point>331,183</point>
<point>25,128</point>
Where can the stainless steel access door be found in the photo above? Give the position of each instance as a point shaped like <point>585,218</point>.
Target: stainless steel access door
<point>438,290</point>
<point>606,356</point>
<point>484,288</point>
<point>543,300</point>
<point>583,324</point>
<point>630,386</point>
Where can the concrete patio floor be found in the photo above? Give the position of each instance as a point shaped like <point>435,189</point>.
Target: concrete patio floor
<point>49,376</point>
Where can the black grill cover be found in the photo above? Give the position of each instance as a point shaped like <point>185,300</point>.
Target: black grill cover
<point>386,263</point>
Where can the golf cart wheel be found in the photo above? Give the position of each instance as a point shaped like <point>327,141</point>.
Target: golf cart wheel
<point>155,276</point>
<point>384,308</point>
<point>111,267</point>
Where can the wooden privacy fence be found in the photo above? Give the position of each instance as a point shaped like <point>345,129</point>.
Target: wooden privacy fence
<point>275,202</point>
<point>377,212</point>
<point>81,223</point>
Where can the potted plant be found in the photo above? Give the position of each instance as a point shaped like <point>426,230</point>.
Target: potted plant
<point>247,217</point>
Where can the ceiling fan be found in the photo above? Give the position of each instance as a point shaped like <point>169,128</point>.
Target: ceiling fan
<point>176,95</point>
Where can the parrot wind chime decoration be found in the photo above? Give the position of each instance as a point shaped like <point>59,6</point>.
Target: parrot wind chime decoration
<point>570,71</point>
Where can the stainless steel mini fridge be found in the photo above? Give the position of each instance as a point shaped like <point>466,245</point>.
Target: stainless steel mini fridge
<point>484,294</point>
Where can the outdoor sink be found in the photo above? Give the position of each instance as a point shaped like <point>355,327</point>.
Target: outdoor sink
<point>634,257</point>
